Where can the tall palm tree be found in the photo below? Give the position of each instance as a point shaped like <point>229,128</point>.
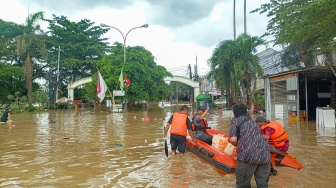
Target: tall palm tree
<point>222,65</point>
<point>235,66</point>
<point>30,41</point>
<point>247,66</point>
<point>234,19</point>
<point>245,17</point>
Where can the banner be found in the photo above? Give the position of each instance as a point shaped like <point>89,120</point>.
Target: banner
<point>121,80</point>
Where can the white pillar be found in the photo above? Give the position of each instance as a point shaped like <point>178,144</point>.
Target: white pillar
<point>196,92</point>
<point>267,95</point>
<point>70,94</point>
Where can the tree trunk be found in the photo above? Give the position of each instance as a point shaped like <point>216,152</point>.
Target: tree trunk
<point>29,73</point>
<point>245,17</point>
<point>234,19</point>
<point>254,89</point>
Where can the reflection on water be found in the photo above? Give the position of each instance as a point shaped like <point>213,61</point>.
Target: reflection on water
<point>99,149</point>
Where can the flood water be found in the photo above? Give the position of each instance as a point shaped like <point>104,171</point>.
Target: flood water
<point>94,148</point>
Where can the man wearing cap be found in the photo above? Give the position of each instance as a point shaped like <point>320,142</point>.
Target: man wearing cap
<point>274,133</point>
<point>199,124</point>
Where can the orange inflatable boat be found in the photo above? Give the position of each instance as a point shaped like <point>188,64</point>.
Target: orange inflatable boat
<point>225,162</point>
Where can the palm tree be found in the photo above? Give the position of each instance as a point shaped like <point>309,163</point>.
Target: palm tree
<point>29,41</point>
<point>222,66</point>
<point>247,66</point>
<point>235,66</point>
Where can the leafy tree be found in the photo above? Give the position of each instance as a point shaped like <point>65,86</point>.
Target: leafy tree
<point>10,80</point>
<point>309,25</point>
<point>145,75</point>
<point>11,74</point>
<point>8,33</point>
<point>290,57</point>
<point>81,47</point>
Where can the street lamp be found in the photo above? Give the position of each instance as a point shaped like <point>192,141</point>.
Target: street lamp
<point>124,40</point>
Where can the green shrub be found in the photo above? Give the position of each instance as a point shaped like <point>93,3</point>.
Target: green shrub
<point>31,108</point>
<point>16,109</point>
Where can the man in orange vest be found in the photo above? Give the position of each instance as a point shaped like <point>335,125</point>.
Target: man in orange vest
<point>274,133</point>
<point>179,125</point>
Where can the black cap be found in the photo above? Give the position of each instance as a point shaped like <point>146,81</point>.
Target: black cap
<point>261,119</point>
<point>201,108</point>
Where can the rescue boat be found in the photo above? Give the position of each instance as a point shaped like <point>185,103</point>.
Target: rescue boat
<point>225,162</point>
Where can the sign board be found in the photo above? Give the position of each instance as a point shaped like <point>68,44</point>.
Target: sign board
<point>127,82</point>
<point>281,77</point>
<point>118,93</point>
<point>212,92</point>
<point>108,103</point>
<point>215,92</point>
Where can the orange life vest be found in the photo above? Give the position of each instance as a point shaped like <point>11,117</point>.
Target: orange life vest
<point>179,124</point>
<point>279,137</point>
<point>203,126</point>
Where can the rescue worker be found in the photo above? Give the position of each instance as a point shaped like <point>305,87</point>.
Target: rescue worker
<point>199,125</point>
<point>179,125</point>
<point>275,134</point>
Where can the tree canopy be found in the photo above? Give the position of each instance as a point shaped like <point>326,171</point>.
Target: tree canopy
<point>235,66</point>
<point>83,50</point>
<point>297,21</point>
<point>145,75</point>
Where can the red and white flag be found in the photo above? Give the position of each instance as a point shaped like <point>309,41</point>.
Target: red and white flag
<point>101,87</point>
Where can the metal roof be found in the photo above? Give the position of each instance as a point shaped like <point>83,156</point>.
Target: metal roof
<point>270,62</point>
<point>312,72</point>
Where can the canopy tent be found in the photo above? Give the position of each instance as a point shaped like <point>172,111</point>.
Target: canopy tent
<point>62,100</point>
<point>203,100</point>
<point>202,96</point>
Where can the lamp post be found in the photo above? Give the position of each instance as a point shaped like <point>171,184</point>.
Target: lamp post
<point>124,40</point>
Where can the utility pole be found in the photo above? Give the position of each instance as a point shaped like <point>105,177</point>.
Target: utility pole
<point>189,70</point>
<point>234,19</point>
<point>245,17</point>
<point>196,72</point>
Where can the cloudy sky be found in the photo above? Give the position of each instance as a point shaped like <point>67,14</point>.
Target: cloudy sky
<point>179,30</point>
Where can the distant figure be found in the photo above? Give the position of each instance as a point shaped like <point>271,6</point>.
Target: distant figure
<point>5,118</point>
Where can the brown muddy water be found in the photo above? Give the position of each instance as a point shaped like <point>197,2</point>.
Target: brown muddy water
<point>94,148</point>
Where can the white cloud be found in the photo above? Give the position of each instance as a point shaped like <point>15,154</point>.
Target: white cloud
<point>173,47</point>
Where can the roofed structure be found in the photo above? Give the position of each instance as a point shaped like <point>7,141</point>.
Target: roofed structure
<point>270,62</point>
